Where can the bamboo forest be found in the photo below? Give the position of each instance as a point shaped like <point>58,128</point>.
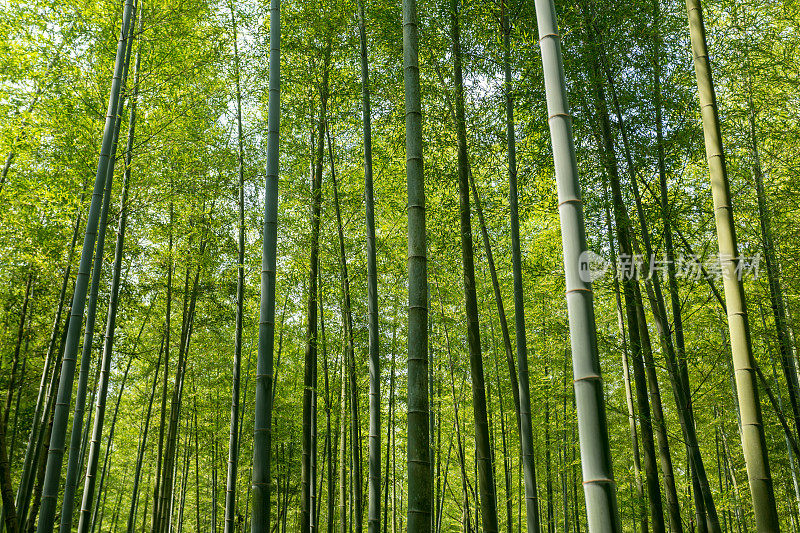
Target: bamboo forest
<point>432,266</point>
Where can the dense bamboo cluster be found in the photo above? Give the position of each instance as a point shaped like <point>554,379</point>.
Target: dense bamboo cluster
<point>628,391</point>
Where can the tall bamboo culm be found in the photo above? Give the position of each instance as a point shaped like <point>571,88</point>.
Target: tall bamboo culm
<point>233,440</point>
<point>483,446</point>
<point>525,421</point>
<point>598,477</point>
<point>262,432</point>
<point>80,435</point>
<point>753,440</point>
<point>85,518</point>
<point>420,482</point>
<point>55,455</point>
<point>374,473</point>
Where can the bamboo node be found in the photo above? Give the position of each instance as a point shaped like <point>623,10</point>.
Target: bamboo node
<point>599,480</point>
<point>569,201</point>
<point>555,115</point>
<point>581,289</point>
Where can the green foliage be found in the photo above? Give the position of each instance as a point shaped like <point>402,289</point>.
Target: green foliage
<point>56,62</point>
